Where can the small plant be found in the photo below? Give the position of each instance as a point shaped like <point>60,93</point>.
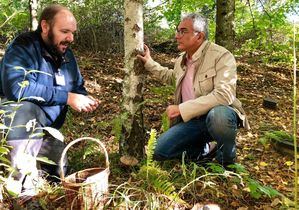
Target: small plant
<point>117,125</point>
<point>279,136</point>
<point>257,190</point>
<point>163,92</point>
<point>156,178</point>
<point>165,122</point>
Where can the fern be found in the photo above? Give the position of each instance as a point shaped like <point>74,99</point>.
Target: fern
<point>117,125</point>
<point>257,190</point>
<point>154,177</point>
<point>151,145</point>
<point>279,136</point>
<point>165,122</point>
<point>157,180</point>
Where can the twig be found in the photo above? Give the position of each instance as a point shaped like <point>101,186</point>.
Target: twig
<point>253,21</point>
<point>8,19</point>
<point>271,35</point>
<point>294,118</point>
<point>264,9</point>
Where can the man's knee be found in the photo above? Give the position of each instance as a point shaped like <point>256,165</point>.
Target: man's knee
<point>26,111</point>
<point>19,114</point>
<point>221,119</point>
<point>31,110</point>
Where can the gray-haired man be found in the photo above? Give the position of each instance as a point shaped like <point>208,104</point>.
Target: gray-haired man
<point>205,108</point>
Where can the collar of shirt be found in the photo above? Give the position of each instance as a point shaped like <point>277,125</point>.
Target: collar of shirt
<point>196,55</point>
<point>199,51</point>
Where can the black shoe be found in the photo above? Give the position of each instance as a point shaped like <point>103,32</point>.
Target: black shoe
<point>207,158</point>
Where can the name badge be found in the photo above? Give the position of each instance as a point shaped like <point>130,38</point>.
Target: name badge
<point>59,78</point>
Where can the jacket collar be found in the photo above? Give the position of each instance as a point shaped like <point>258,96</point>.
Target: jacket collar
<point>199,52</point>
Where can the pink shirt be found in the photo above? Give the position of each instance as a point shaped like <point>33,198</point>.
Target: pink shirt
<point>187,83</point>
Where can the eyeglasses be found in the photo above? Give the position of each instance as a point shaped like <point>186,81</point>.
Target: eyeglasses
<point>182,32</point>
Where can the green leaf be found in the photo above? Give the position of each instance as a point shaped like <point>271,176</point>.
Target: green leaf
<point>165,122</point>
<point>23,84</point>
<point>45,160</point>
<point>38,71</point>
<point>4,150</point>
<point>216,168</point>
<point>19,68</point>
<point>55,133</point>
<point>269,191</point>
<point>38,135</point>
<point>2,126</point>
<point>4,160</point>
<point>33,97</point>
<point>253,186</point>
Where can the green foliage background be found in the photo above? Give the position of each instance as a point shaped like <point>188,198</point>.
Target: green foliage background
<point>262,27</point>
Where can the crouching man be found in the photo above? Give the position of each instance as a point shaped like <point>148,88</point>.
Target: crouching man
<point>40,72</point>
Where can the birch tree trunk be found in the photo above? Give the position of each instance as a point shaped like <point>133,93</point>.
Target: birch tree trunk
<point>33,4</point>
<point>225,24</point>
<point>132,141</point>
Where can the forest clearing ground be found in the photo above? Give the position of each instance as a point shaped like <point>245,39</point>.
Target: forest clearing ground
<point>103,75</point>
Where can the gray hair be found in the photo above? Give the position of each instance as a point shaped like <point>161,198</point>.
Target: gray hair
<point>200,23</point>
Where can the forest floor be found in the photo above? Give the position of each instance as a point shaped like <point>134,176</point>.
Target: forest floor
<point>103,74</point>
<point>256,81</point>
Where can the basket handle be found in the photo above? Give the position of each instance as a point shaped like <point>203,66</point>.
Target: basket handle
<point>76,141</point>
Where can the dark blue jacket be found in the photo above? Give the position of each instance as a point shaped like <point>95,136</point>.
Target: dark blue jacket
<point>28,52</point>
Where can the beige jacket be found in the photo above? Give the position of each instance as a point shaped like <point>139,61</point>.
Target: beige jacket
<point>214,81</point>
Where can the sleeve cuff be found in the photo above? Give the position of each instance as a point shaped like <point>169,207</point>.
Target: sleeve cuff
<point>61,96</point>
<point>182,111</point>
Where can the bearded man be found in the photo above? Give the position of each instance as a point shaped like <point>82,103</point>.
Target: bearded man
<point>40,72</point>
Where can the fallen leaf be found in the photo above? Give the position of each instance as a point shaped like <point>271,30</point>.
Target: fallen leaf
<point>275,202</point>
<point>263,164</point>
<point>289,163</point>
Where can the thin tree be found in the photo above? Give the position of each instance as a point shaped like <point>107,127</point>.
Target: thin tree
<point>33,4</point>
<point>132,141</point>
<point>225,21</point>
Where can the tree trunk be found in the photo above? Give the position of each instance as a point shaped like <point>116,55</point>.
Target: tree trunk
<point>33,4</point>
<point>225,21</point>
<point>132,141</point>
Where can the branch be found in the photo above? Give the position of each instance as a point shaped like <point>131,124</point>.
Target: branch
<point>265,9</point>
<point>159,5</point>
<point>295,117</point>
<point>8,19</point>
<point>253,21</point>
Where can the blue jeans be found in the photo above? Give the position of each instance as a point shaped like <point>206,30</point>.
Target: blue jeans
<point>44,146</point>
<point>219,124</point>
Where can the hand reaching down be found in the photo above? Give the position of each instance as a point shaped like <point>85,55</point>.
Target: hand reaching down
<point>173,111</point>
<point>82,103</point>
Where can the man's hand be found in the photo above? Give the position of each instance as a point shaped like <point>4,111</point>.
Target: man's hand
<point>146,55</point>
<point>81,102</point>
<point>173,111</point>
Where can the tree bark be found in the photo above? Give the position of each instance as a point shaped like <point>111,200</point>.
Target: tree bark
<point>225,24</point>
<point>33,4</point>
<point>132,140</point>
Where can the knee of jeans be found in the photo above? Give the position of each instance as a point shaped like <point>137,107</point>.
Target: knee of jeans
<point>218,121</point>
<point>32,111</point>
<point>161,154</point>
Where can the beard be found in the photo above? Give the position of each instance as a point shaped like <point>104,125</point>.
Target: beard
<point>55,47</point>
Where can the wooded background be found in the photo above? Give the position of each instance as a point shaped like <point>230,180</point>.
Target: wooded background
<point>260,33</point>
<point>262,27</point>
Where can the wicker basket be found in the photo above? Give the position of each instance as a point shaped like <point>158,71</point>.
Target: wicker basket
<point>86,189</point>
